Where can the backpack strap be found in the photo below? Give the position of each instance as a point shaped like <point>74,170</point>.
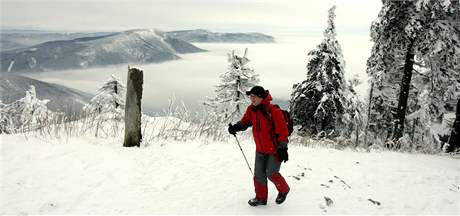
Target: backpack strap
<point>267,113</point>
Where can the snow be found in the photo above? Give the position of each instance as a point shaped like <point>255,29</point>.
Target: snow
<point>87,175</point>
<point>445,127</point>
<point>421,3</point>
<point>127,42</point>
<point>446,3</point>
<point>318,86</point>
<point>324,98</point>
<point>10,66</point>
<point>84,63</point>
<point>438,47</point>
<point>32,62</point>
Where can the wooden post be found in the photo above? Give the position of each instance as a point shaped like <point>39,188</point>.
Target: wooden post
<point>133,112</point>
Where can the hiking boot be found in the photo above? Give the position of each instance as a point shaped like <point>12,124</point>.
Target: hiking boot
<point>256,202</point>
<point>281,197</point>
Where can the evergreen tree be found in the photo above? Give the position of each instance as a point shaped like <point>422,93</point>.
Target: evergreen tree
<point>438,61</point>
<point>407,35</point>
<point>109,101</point>
<point>230,101</point>
<point>384,65</point>
<point>318,103</point>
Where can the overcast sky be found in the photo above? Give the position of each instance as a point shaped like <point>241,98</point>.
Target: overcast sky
<point>296,24</point>
<point>269,16</point>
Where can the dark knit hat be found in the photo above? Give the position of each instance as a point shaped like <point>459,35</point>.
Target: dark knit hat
<point>258,91</point>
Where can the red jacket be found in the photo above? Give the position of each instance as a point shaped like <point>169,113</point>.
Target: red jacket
<point>262,128</point>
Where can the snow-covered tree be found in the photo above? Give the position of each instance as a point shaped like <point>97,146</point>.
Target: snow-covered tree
<point>318,103</point>
<point>385,64</point>
<point>437,70</point>
<point>407,35</point>
<point>4,127</point>
<point>353,117</point>
<point>434,34</point>
<point>230,100</point>
<point>109,101</point>
<point>26,113</point>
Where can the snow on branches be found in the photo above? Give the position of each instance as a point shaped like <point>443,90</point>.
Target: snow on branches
<point>109,101</point>
<point>230,100</point>
<point>25,114</point>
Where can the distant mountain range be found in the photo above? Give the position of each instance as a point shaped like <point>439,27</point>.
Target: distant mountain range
<point>205,36</point>
<point>134,46</point>
<point>35,51</point>
<point>15,39</point>
<point>62,99</point>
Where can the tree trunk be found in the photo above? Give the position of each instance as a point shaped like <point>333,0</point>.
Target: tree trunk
<point>454,139</point>
<point>412,134</point>
<point>133,113</point>
<point>357,135</point>
<point>368,114</point>
<point>404,93</point>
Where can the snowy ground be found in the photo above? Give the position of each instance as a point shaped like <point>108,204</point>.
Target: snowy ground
<point>91,176</point>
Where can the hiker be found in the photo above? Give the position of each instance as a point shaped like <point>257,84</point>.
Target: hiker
<point>270,134</point>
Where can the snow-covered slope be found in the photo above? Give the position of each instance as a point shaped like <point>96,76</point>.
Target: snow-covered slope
<point>98,176</point>
<point>205,36</point>
<point>133,46</point>
<point>62,99</point>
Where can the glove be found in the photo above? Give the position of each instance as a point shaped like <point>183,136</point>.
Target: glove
<point>282,152</point>
<point>232,129</point>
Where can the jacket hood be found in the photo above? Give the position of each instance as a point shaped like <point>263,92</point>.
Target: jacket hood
<point>267,99</point>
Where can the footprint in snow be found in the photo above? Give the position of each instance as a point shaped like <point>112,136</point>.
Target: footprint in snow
<point>342,181</point>
<point>374,202</point>
<point>298,176</point>
<point>47,207</point>
<point>454,188</point>
<point>323,207</point>
<point>329,201</point>
<point>326,186</point>
<point>332,181</point>
<point>305,168</point>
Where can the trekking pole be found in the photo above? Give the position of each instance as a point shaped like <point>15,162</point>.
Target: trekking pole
<point>238,142</point>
